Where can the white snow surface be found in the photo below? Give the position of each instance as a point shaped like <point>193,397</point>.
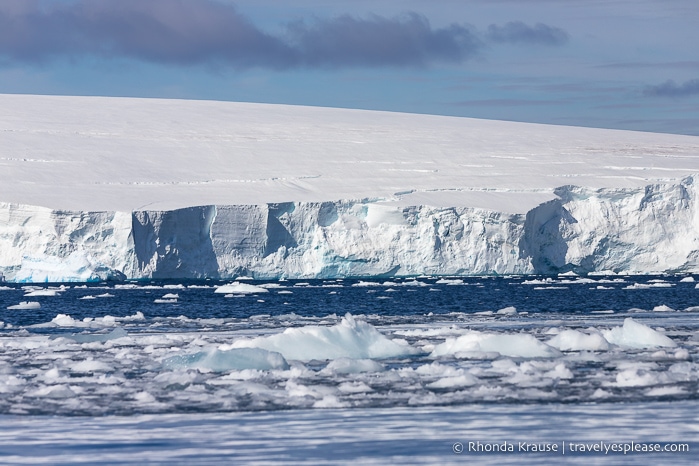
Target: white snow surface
<point>93,188</point>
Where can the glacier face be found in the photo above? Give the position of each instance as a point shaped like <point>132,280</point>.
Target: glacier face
<point>654,229</point>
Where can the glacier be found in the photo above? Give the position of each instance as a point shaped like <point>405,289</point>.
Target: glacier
<point>95,188</point>
<point>654,229</point>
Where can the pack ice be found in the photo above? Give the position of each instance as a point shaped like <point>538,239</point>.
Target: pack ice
<point>97,188</point>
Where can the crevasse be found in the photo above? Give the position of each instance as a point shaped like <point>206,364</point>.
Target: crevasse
<point>654,229</point>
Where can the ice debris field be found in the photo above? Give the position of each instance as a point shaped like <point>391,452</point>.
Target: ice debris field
<point>116,188</point>
<point>138,348</point>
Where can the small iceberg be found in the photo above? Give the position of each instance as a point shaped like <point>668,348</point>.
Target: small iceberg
<point>240,288</point>
<point>228,360</point>
<point>350,338</point>
<point>26,305</point>
<point>636,335</point>
<point>481,343</point>
<point>32,293</point>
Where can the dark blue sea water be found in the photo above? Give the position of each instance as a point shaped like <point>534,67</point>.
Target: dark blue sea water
<point>313,298</point>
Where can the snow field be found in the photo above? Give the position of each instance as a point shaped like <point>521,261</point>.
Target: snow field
<point>112,188</point>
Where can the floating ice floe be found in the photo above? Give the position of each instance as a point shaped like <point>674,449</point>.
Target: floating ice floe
<point>449,281</point>
<point>352,366</point>
<point>64,320</point>
<point>573,340</point>
<point>230,359</point>
<point>663,308</point>
<point>636,335</point>
<point>508,344</point>
<point>240,288</point>
<point>507,311</point>
<point>100,337</point>
<point>349,339</point>
<point>169,298</point>
<point>649,285</point>
<point>25,305</point>
<point>35,293</point>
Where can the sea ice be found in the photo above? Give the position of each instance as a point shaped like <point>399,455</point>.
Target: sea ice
<point>352,366</point>
<point>229,359</point>
<point>25,305</point>
<point>34,293</point>
<point>349,339</point>
<point>240,288</point>
<point>574,340</point>
<point>636,335</point>
<point>507,344</point>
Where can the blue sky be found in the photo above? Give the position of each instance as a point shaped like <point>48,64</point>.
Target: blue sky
<point>627,64</point>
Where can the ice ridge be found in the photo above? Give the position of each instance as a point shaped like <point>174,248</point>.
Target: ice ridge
<point>654,229</point>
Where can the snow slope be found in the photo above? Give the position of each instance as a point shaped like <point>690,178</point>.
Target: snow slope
<point>93,188</point>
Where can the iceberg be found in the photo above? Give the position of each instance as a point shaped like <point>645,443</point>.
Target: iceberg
<point>350,338</point>
<point>512,345</point>
<point>228,360</point>
<point>636,335</point>
<point>272,191</point>
<point>649,230</point>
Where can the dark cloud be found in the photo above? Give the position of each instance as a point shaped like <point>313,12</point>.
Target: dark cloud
<point>206,31</point>
<point>516,32</point>
<point>672,89</point>
<point>376,41</point>
<point>164,31</point>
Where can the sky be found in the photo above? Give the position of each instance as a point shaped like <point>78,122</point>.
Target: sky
<point>624,64</point>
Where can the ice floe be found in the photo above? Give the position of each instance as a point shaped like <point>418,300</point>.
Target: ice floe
<point>350,338</point>
<point>240,288</point>
<point>513,345</point>
<point>636,335</point>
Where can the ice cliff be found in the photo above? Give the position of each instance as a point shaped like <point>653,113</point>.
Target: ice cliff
<point>635,230</point>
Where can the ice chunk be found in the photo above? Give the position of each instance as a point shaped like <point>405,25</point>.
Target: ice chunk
<point>636,378</point>
<point>348,339</point>
<point>230,359</point>
<point>35,293</point>
<point>573,340</point>
<point>354,387</point>
<point>637,335</point>
<point>666,391</point>
<point>25,305</point>
<point>64,320</point>
<point>463,380</point>
<point>53,392</point>
<point>448,281</point>
<point>353,366</point>
<point>90,365</point>
<point>87,338</point>
<point>144,397</point>
<point>513,345</point>
<point>240,288</point>
<point>508,311</point>
<point>663,308</point>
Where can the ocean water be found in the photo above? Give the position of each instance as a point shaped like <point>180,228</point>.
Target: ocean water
<point>426,370</point>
